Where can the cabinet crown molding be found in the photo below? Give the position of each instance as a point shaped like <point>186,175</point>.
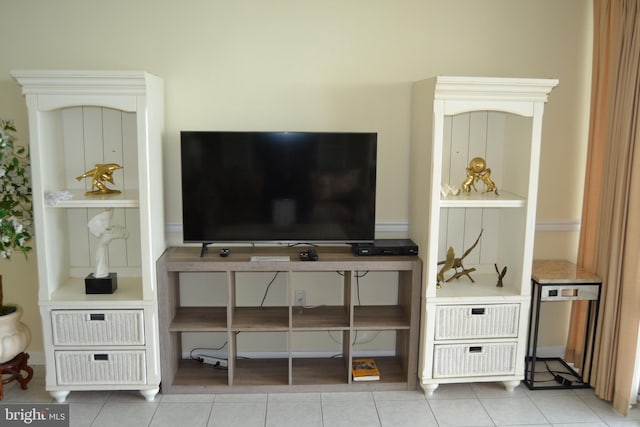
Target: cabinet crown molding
<point>493,88</point>
<point>82,81</point>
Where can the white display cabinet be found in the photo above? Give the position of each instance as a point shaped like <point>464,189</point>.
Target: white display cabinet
<point>475,331</point>
<point>78,119</point>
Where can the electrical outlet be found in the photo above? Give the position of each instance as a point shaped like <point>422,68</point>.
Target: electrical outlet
<point>301,297</point>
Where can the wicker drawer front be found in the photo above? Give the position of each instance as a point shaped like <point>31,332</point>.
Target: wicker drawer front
<point>469,360</point>
<point>477,321</point>
<point>106,327</point>
<point>100,367</point>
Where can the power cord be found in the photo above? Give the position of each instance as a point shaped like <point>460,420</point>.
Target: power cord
<point>358,275</point>
<point>216,362</point>
<point>266,291</point>
<point>563,381</point>
<point>205,349</point>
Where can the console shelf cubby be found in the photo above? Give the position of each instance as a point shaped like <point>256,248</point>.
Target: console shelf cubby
<point>291,329</point>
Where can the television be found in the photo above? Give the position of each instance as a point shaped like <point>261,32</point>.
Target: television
<point>278,187</point>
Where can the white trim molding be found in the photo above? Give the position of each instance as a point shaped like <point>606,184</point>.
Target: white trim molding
<point>558,225</point>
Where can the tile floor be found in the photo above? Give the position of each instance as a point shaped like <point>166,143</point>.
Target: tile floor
<point>480,404</point>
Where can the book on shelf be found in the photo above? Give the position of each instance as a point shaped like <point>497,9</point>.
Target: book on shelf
<point>365,370</point>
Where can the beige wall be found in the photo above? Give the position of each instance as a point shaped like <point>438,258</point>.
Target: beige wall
<point>313,65</point>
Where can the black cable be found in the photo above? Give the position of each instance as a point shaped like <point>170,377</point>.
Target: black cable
<point>266,291</point>
<point>207,349</point>
<point>357,276</point>
<point>547,372</point>
<point>559,378</point>
<point>361,275</point>
<point>292,245</point>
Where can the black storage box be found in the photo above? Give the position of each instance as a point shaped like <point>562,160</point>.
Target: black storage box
<point>101,285</point>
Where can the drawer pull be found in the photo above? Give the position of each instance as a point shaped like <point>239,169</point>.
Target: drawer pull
<point>478,311</point>
<point>475,349</point>
<point>95,316</point>
<point>101,357</point>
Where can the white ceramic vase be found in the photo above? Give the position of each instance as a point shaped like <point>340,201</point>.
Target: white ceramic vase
<point>15,336</point>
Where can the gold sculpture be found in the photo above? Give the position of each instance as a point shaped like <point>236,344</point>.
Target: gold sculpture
<point>456,263</point>
<point>501,275</point>
<point>101,172</point>
<point>478,171</point>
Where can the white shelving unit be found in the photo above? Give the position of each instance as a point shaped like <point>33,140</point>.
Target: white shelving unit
<point>78,119</point>
<point>475,331</point>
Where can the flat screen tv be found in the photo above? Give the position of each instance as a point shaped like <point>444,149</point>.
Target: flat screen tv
<point>278,187</point>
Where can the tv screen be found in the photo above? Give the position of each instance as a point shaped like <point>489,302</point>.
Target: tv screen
<point>284,187</point>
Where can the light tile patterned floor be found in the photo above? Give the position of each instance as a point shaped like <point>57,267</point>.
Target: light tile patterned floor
<point>480,404</point>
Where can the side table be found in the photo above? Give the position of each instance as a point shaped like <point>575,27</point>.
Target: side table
<point>13,368</point>
<point>560,281</point>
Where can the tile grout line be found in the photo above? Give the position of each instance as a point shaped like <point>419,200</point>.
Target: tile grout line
<point>375,405</point>
<point>484,408</point>
<point>104,402</point>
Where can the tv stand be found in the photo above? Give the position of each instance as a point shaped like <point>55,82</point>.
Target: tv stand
<point>204,248</point>
<point>293,367</point>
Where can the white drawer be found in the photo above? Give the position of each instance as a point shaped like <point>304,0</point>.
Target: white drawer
<point>477,321</point>
<point>469,360</point>
<point>100,367</point>
<point>98,327</point>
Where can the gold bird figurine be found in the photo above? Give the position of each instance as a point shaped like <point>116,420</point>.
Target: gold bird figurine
<point>101,172</point>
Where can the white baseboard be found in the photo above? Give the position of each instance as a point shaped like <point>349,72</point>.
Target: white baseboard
<point>551,351</point>
<point>558,225</point>
<point>174,229</point>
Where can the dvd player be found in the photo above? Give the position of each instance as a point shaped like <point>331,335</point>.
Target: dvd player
<point>385,247</point>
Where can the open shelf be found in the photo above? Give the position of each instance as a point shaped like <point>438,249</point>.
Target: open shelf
<point>484,286</point>
<point>258,372</point>
<point>289,347</point>
<point>319,371</point>
<point>199,319</point>
<point>391,370</point>
<point>195,375</point>
<point>126,199</point>
<point>319,318</point>
<point>260,318</point>
<point>483,200</point>
<point>72,291</point>
<point>381,317</point>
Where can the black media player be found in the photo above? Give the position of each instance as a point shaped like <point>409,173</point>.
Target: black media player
<point>386,247</point>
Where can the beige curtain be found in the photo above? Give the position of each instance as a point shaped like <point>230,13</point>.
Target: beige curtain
<point>610,233</point>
